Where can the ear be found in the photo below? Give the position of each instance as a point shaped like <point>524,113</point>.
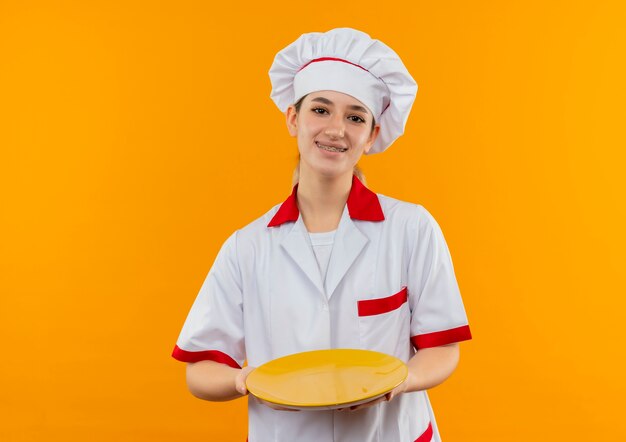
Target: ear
<point>372,138</point>
<point>292,120</point>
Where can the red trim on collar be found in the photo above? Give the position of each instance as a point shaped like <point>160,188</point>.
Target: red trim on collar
<point>362,203</point>
<point>288,211</point>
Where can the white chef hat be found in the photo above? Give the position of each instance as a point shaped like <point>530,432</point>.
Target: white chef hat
<point>348,61</point>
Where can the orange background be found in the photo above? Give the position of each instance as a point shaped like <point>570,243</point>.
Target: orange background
<point>136,136</point>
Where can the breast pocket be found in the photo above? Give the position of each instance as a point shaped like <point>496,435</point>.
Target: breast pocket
<point>384,324</point>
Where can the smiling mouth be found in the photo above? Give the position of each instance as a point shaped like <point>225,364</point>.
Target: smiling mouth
<point>331,148</point>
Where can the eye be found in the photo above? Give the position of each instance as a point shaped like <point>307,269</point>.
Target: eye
<point>319,110</point>
<point>356,119</point>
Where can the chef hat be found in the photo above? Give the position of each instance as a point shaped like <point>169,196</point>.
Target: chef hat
<point>348,61</point>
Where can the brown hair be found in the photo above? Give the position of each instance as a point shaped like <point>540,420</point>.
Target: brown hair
<point>296,173</point>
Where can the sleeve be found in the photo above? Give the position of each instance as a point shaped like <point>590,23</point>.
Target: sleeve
<point>437,312</point>
<point>214,329</point>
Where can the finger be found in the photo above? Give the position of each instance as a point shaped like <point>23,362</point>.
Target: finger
<point>240,384</point>
<point>240,380</point>
<point>367,404</point>
<point>241,387</point>
<point>279,408</point>
<point>395,392</point>
<point>276,406</point>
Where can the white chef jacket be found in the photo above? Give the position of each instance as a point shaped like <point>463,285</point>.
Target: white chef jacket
<point>390,287</point>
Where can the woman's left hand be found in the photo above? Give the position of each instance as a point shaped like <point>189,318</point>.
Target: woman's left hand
<point>386,398</point>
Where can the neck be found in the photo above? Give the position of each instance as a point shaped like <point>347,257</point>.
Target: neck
<point>321,200</point>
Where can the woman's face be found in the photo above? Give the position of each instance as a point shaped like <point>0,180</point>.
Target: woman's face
<point>333,131</point>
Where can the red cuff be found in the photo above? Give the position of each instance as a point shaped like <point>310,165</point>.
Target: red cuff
<point>207,355</point>
<point>443,337</point>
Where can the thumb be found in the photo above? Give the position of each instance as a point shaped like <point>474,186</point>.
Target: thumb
<point>240,380</point>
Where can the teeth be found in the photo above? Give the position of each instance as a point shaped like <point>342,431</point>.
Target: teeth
<point>331,148</point>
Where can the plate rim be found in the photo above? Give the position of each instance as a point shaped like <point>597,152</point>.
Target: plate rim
<point>333,405</point>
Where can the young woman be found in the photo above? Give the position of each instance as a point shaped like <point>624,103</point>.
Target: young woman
<point>335,265</point>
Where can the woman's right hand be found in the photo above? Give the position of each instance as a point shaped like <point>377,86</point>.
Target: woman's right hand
<point>240,386</point>
<point>240,380</point>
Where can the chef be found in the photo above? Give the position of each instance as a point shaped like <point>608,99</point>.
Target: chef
<point>335,265</point>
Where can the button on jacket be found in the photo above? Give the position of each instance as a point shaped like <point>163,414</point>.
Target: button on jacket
<point>390,287</point>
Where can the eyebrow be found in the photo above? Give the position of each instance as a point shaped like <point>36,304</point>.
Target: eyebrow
<point>353,107</point>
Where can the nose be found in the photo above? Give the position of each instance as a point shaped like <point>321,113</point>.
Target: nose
<point>335,128</point>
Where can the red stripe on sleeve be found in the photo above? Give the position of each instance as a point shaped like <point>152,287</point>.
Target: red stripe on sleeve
<point>443,337</point>
<point>207,355</point>
<point>426,435</point>
<point>378,306</point>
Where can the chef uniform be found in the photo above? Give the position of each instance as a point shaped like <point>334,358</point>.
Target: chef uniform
<point>389,284</point>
